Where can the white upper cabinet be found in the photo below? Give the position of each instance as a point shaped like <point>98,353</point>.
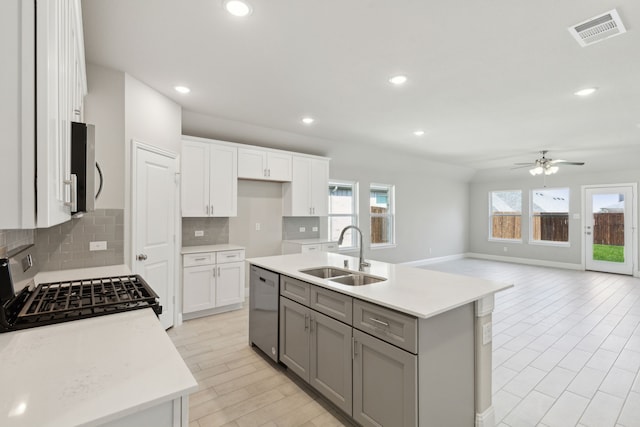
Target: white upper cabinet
<point>61,87</point>
<point>307,194</point>
<point>255,163</point>
<point>49,34</point>
<point>209,179</point>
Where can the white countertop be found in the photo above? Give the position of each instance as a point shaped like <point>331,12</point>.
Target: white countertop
<point>88,372</point>
<point>209,248</point>
<point>314,241</point>
<point>418,292</point>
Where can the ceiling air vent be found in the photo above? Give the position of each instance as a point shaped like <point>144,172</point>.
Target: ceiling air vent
<point>598,28</point>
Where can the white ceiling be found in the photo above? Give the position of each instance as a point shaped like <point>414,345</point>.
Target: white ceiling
<point>491,82</point>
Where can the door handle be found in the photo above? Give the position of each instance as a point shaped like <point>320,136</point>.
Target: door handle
<point>588,233</point>
<point>141,257</point>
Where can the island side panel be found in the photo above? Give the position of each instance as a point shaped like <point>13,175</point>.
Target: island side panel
<point>446,369</point>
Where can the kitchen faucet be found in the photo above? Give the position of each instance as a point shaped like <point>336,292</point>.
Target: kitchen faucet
<point>363,263</point>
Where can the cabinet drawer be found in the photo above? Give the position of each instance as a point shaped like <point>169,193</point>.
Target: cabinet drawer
<point>333,304</point>
<point>310,248</point>
<point>389,325</point>
<point>229,256</point>
<point>330,247</point>
<point>295,290</point>
<point>206,258</point>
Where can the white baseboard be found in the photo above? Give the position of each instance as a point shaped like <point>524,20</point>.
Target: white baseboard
<point>428,261</point>
<point>528,261</point>
<point>486,418</point>
<point>211,311</point>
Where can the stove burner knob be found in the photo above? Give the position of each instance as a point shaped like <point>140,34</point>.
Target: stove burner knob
<point>141,257</point>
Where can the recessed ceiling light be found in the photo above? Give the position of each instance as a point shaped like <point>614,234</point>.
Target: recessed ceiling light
<point>586,92</point>
<point>237,7</point>
<point>182,89</point>
<point>308,120</point>
<point>418,133</point>
<point>398,80</point>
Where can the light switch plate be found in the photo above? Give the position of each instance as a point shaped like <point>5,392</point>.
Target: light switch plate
<point>302,229</point>
<point>314,229</point>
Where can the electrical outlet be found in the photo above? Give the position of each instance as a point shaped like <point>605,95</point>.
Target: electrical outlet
<point>199,233</point>
<point>576,216</point>
<point>98,246</point>
<point>314,229</point>
<point>505,249</point>
<point>257,226</point>
<point>487,333</point>
<point>303,229</point>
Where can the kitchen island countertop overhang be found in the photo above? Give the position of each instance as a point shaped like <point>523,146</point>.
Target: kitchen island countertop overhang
<point>414,291</point>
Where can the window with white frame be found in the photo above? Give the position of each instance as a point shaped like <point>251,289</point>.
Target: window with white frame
<point>550,215</point>
<point>381,212</point>
<point>343,211</point>
<point>505,215</point>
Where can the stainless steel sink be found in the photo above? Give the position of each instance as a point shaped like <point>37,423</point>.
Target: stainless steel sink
<point>357,279</point>
<point>325,272</point>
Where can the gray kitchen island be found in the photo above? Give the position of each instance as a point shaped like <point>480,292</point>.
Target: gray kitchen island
<point>411,347</point>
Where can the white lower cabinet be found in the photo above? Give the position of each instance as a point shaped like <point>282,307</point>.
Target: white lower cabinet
<point>300,246</point>
<point>211,280</point>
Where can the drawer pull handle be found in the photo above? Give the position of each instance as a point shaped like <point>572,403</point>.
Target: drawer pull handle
<point>231,256</point>
<point>199,259</point>
<point>379,322</point>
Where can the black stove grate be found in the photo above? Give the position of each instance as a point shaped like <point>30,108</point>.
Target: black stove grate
<point>76,299</point>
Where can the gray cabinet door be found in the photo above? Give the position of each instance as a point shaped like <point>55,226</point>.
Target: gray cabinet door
<point>384,383</point>
<point>295,320</point>
<point>330,369</point>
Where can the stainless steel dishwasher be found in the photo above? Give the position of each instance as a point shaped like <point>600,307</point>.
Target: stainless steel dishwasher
<point>264,290</point>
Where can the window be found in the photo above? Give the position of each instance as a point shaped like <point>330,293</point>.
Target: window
<point>381,210</point>
<point>343,211</point>
<point>505,215</point>
<point>550,215</point>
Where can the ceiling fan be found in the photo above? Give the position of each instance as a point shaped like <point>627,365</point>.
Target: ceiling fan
<point>546,166</point>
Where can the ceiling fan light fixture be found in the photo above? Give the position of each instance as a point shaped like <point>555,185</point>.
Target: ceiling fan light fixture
<point>398,80</point>
<point>536,171</point>
<point>551,170</point>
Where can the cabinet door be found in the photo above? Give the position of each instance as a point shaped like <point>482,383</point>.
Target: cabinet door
<point>384,383</point>
<point>294,337</point>
<point>230,283</point>
<point>310,248</point>
<point>319,187</point>
<point>279,166</point>
<point>300,197</point>
<point>195,179</point>
<point>330,366</point>
<point>198,288</point>
<point>223,180</point>
<point>252,164</point>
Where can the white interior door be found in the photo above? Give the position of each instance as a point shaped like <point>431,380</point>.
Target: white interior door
<point>609,229</point>
<point>154,224</point>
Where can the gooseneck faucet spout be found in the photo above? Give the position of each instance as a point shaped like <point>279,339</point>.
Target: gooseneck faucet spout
<point>363,263</point>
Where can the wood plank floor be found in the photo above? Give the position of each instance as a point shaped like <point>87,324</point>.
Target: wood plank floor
<point>566,353</point>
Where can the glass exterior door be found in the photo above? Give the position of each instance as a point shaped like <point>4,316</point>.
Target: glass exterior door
<point>608,229</point>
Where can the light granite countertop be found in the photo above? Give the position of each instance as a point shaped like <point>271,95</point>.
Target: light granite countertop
<point>90,371</point>
<point>418,292</point>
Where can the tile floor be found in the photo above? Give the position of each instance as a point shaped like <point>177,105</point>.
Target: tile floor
<point>566,345</point>
<point>566,353</point>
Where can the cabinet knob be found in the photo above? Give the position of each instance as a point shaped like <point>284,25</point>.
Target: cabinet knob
<point>141,257</point>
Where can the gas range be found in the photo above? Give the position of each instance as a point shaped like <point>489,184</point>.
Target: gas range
<point>56,302</point>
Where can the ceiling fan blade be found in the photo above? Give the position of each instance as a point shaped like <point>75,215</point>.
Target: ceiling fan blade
<point>524,164</point>
<point>565,162</point>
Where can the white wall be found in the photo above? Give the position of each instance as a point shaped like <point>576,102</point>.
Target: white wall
<point>104,108</point>
<point>479,213</point>
<point>431,198</point>
<point>150,118</point>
